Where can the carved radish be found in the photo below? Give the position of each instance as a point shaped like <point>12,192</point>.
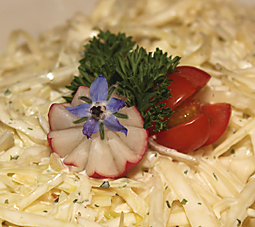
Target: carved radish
<point>82,147</point>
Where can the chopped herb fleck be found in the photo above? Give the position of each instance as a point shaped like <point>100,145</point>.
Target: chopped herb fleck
<point>29,128</point>
<point>45,211</point>
<point>168,204</point>
<point>184,201</point>
<point>56,200</point>
<point>220,38</point>
<point>155,153</point>
<point>75,201</point>
<point>14,157</point>
<point>105,184</point>
<point>96,205</point>
<point>7,92</point>
<point>233,151</point>
<point>6,201</point>
<point>215,176</point>
<point>199,203</point>
<point>238,222</point>
<point>186,171</point>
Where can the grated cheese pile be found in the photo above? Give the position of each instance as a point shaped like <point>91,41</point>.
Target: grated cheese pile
<point>211,187</point>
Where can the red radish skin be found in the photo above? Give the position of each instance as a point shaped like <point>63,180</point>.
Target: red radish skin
<point>111,158</point>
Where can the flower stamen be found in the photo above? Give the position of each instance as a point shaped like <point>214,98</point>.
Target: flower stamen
<point>96,112</point>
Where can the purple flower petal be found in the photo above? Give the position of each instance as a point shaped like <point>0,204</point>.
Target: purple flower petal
<point>99,89</point>
<point>114,105</point>
<point>112,123</point>
<point>82,110</point>
<point>90,127</point>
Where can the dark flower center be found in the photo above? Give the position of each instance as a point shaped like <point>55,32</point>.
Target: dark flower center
<point>96,112</point>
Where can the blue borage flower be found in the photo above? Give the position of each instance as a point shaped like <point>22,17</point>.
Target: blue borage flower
<point>98,111</point>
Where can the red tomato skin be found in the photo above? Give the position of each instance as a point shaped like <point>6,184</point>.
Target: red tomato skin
<point>180,90</point>
<point>218,115</point>
<point>187,136</point>
<point>195,76</point>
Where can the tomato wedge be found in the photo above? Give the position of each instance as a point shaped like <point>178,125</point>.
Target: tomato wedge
<point>180,89</point>
<point>191,124</point>
<point>218,115</point>
<point>187,136</point>
<point>195,76</point>
<point>184,112</point>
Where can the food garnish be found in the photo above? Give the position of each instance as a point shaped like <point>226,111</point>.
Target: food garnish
<point>158,95</point>
<point>99,110</point>
<point>138,76</point>
<point>192,125</point>
<point>103,152</point>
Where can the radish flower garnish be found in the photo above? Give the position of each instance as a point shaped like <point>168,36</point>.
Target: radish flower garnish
<point>108,153</point>
<point>98,111</point>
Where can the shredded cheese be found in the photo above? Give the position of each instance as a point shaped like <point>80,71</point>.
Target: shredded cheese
<point>211,187</point>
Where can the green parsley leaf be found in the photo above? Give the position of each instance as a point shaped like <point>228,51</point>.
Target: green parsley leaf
<point>139,76</point>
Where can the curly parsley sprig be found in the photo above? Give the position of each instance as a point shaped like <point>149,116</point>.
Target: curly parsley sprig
<point>99,58</point>
<point>140,76</point>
